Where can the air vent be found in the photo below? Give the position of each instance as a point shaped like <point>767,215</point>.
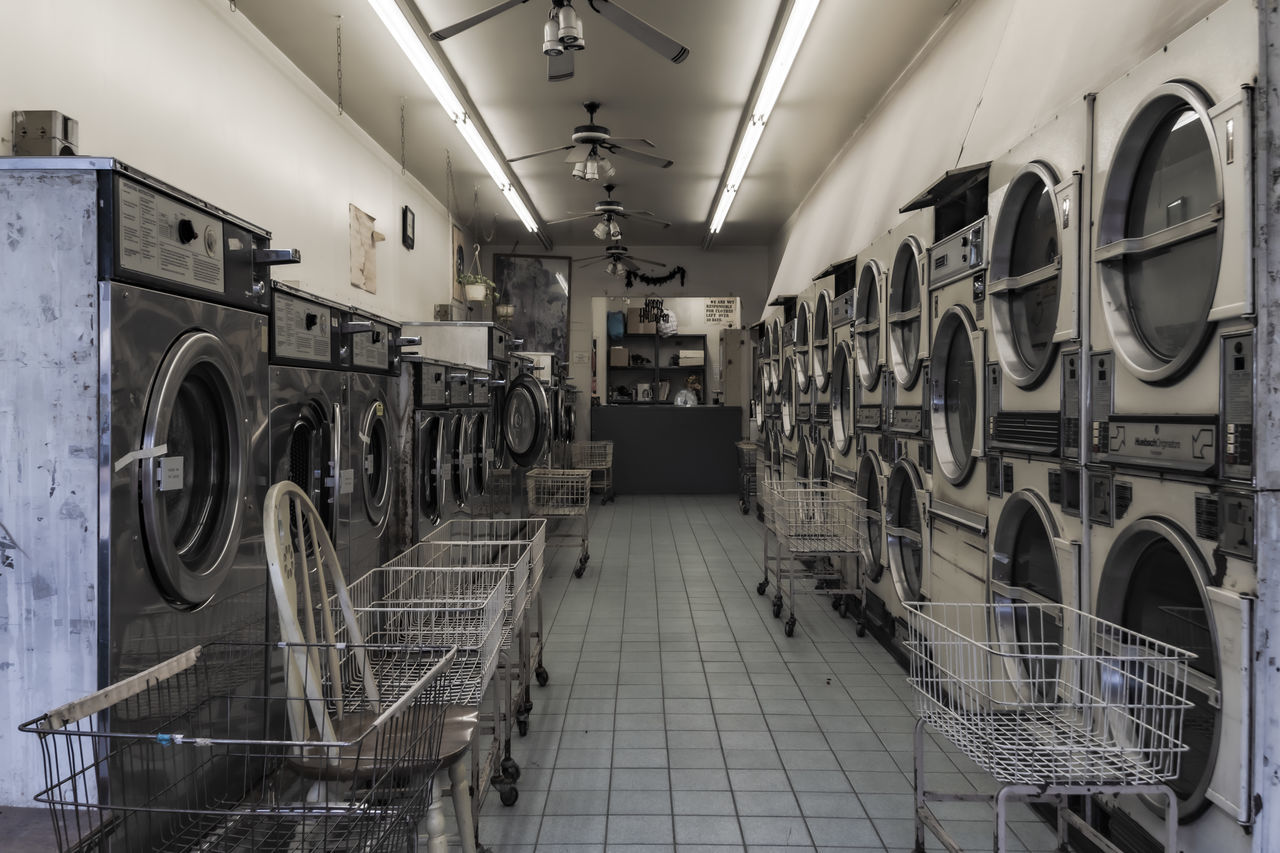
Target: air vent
<point>1124,498</point>
<point>1071,491</point>
<point>822,412</point>
<point>1055,487</point>
<point>1037,431</point>
<point>888,449</point>
<point>1207,517</point>
<point>925,457</point>
<point>993,477</point>
<point>1006,482</point>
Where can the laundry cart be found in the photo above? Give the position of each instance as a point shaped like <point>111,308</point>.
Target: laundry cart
<point>810,526</point>
<point>1052,702</point>
<point>598,457</point>
<point>746,475</point>
<point>155,761</point>
<point>561,493</point>
<point>522,628</point>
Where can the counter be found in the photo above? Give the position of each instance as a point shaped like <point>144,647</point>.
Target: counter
<point>671,450</point>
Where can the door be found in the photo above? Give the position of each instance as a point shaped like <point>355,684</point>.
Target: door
<point>526,420</point>
<point>428,482</point>
<point>375,442</point>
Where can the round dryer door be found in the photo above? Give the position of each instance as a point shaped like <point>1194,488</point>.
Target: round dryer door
<point>195,469</point>
<point>775,454</point>
<point>954,391</point>
<point>1160,234</point>
<point>312,451</point>
<point>803,361</point>
<point>906,311</point>
<point>758,396</point>
<point>480,452</point>
<point>375,441</point>
<point>843,407</point>
<point>1026,260</point>
<point>821,345</point>
<point>866,325</point>
<point>905,512</point>
<point>868,489</point>
<point>1154,582</point>
<point>460,462</point>
<point>525,420</point>
<point>788,401</point>
<point>820,467</point>
<point>803,457</point>
<point>428,481</point>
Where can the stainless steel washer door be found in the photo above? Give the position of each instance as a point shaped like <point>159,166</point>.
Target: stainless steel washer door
<point>427,479</point>
<point>376,444</point>
<point>525,420</point>
<point>195,470</point>
<point>480,452</point>
<point>843,407</point>
<point>905,512</point>
<point>460,462</point>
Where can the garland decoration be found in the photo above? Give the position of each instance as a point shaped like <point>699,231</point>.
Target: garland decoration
<point>654,280</point>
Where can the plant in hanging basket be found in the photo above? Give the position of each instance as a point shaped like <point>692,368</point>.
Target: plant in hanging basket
<point>479,287</point>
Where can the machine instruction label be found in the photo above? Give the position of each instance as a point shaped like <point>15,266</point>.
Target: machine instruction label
<point>160,237</point>
<point>302,330</point>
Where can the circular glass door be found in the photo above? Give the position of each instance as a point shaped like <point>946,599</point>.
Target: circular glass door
<point>868,488</point>
<point>906,311</point>
<point>311,457</point>
<point>459,460</point>
<point>821,345</point>
<point>427,481</point>
<point>1025,571</point>
<point>802,459</point>
<point>775,455</point>
<point>1026,260</point>
<point>842,404</point>
<point>777,346</point>
<point>525,420</point>
<point>193,495</point>
<point>758,395</point>
<point>788,395</point>
<point>821,466</point>
<point>1153,582</point>
<point>954,395</point>
<point>1160,233</point>
<point>866,325</point>
<point>804,322</point>
<point>478,447</point>
<point>375,461</point>
<point>905,533</point>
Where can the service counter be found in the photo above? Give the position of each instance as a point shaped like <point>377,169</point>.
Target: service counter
<point>677,450</point>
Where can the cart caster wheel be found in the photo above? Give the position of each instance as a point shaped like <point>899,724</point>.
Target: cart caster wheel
<point>508,794</point>
<point>523,727</point>
<point>789,627</point>
<point>526,708</point>
<point>761,587</point>
<point>861,630</point>
<point>837,601</point>
<point>777,608</point>
<point>541,674</point>
<point>582,567</point>
<point>742,505</point>
<point>510,769</point>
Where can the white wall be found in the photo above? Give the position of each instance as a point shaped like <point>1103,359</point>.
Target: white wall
<point>998,70</point>
<point>193,94</point>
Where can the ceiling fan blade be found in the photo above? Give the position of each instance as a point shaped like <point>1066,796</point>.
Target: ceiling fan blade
<point>480,17</point>
<point>647,261</point>
<point>645,216</point>
<point>580,153</point>
<point>571,219</point>
<point>586,262</point>
<point>636,28</point>
<point>540,153</point>
<point>560,67</point>
<point>630,140</point>
<point>648,159</point>
<point>626,262</point>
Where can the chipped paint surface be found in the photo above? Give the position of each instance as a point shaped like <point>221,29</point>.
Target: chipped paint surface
<point>48,459</point>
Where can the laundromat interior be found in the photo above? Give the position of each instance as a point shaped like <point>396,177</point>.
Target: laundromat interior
<point>639,425</point>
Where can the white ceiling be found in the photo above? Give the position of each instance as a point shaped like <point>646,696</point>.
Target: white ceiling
<point>854,51</point>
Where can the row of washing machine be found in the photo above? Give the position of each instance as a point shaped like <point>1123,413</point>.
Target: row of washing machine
<point>1042,383</point>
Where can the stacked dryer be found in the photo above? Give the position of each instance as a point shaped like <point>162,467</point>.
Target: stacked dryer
<point>428,487</point>
<point>1169,488</point>
<point>820,347</point>
<point>802,364</point>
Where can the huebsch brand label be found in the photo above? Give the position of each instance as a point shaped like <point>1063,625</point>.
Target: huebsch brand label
<point>1184,446</point>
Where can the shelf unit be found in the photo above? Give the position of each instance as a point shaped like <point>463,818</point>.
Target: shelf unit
<point>659,351</point>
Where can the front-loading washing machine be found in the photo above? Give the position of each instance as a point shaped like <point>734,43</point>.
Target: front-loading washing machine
<point>842,388</point>
<point>908,328</point>
<point>526,416</point>
<point>879,603</point>
<point>135,434</point>
<point>309,394</point>
<point>1172,328</point>
<point>1176,560</point>
<point>429,490</point>
<point>376,415</point>
<point>1037,238</point>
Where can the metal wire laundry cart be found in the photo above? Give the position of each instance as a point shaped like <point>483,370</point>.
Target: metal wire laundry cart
<point>562,493</point>
<point>814,525</point>
<point>598,456</point>
<point>746,475</point>
<point>160,762</point>
<point>1050,701</point>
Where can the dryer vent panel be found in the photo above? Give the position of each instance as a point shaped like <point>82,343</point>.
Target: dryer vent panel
<point>1207,517</point>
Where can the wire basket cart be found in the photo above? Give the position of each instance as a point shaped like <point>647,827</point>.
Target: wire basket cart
<point>764,479</point>
<point>598,457</point>
<point>496,498</point>
<point>746,475</point>
<point>562,493</point>
<point>193,754</point>
<point>1052,702</point>
<point>814,525</point>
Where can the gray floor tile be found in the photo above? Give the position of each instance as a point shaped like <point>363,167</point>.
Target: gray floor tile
<point>759,780</point>
<point>572,829</point>
<point>707,829</point>
<point>766,803</point>
<point>703,803</point>
<point>639,758</point>
<point>573,802</point>
<point>699,779</point>
<point>695,758</point>
<point>836,831</point>
<point>640,779</point>
<point>775,831</point>
<point>623,802</point>
<point>640,829</point>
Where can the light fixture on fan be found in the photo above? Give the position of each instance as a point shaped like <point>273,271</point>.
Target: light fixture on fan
<point>615,268</point>
<point>593,167</point>
<point>607,229</point>
<point>562,31</point>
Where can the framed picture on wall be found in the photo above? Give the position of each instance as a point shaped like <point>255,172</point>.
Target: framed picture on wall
<point>538,287</point>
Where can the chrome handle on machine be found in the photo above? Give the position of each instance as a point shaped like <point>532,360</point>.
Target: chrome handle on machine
<point>353,327</point>
<point>335,466</point>
<point>409,341</point>
<point>275,257</point>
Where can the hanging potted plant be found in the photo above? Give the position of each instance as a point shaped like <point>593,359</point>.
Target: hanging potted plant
<point>479,287</point>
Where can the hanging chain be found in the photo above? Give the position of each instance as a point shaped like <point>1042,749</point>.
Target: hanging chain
<point>402,145</point>
<point>339,17</point>
<point>233,7</point>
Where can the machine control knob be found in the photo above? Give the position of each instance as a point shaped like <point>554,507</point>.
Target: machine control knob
<point>186,231</point>
<point>312,319</point>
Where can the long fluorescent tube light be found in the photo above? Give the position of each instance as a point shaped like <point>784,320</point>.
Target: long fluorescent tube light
<point>793,33</point>
<point>392,17</point>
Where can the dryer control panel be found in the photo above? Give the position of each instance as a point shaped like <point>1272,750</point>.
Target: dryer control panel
<point>302,332</point>
<point>430,385</point>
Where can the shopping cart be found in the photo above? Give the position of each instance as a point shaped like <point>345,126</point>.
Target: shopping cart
<point>746,475</point>
<point>193,754</point>
<point>597,456</point>
<point>562,493</point>
<point>1052,702</point>
<point>813,523</point>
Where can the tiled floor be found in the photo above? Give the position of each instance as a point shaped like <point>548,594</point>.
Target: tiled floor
<point>680,718</point>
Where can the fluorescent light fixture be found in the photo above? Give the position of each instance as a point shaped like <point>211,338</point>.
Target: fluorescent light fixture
<point>393,18</point>
<point>564,285</point>
<point>784,54</point>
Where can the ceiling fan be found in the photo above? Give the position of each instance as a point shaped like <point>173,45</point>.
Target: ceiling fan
<point>562,33</point>
<point>619,260</point>
<point>610,210</point>
<point>591,143</point>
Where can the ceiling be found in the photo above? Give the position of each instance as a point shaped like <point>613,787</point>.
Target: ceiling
<point>854,51</point>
